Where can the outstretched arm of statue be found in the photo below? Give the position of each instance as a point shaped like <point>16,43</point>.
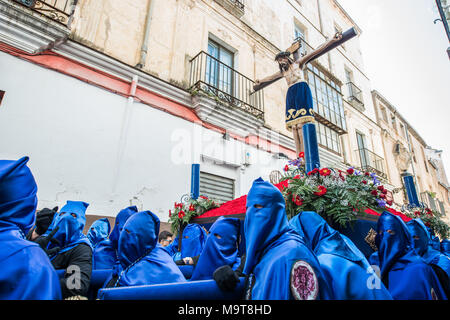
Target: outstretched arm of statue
<point>269,79</point>
<point>317,52</point>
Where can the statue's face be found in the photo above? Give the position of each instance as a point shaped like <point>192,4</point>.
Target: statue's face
<point>284,63</point>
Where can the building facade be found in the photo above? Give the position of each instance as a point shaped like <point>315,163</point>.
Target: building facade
<point>115,100</point>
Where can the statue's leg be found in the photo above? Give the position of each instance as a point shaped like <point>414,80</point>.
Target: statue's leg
<point>298,138</point>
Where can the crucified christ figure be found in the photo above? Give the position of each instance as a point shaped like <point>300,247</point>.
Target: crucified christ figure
<point>299,102</point>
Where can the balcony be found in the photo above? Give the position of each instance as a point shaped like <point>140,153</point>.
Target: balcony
<point>371,162</point>
<point>235,7</point>
<point>222,83</point>
<point>57,10</point>
<point>355,96</point>
<point>432,203</point>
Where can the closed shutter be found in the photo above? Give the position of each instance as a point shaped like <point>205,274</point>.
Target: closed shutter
<point>441,206</point>
<point>216,187</point>
<point>432,202</point>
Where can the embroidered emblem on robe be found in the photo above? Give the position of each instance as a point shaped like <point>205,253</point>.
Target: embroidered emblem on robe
<point>303,281</point>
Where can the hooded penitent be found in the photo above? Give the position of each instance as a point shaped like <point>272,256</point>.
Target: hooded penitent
<point>103,255</point>
<point>345,267</point>
<point>70,221</point>
<point>221,248</point>
<point>279,264</point>
<point>121,218</point>
<point>143,261</point>
<point>193,240</point>
<point>403,272</point>
<point>421,243</point>
<point>26,271</point>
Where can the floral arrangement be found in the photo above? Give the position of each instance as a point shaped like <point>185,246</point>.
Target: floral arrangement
<point>338,196</point>
<point>431,219</point>
<point>183,212</point>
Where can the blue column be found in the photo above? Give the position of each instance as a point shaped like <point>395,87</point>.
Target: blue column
<point>410,189</point>
<point>195,180</point>
<point>311,146</point>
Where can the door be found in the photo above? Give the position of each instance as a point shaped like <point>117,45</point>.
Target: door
<point>219,64</point>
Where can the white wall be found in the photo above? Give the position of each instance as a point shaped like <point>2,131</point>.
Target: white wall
<point>71,131</point>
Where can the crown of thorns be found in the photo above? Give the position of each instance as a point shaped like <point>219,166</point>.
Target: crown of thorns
<point>283,54</point>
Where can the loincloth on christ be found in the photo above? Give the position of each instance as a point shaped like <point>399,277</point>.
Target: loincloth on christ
<point>299,105</point>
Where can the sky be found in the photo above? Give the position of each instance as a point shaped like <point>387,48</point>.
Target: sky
<point>405,58</point>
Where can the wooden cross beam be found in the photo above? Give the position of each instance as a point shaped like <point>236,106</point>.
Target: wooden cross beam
<point>347,35</point>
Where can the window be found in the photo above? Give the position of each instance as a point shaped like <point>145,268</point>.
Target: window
<point>383,113</point>
<point>299,33</point>
<point>362,150</point>
<point>216,187</point>
<point>327,97</point>
<point>393,123</point>
<point>328,138</point>
<point>219,67</point>
<point>402,130</point>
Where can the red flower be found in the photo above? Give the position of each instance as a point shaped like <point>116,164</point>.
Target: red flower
<point>367,174</point>
<point>417,213</point>
<point>321,192</point>
<point>381,188</point>
<point>191,207</point>
<point>389,202</point>
<point>427,224</point>
<point>384,191</point>
<point>301,155</point>
<point>283,184</point>
<point>325,172</point>
<point>382,196</point>
<point>374,193</point>
<point>364,182</point>
<point>286,168</point>
<point>350,170</point>
<point>297,200</point>
<point>313,171</point>
<point>429,212</point>
<point>181,214</point>
<point>204,198</point>
<point>296,177</point>
<point>170,213</point>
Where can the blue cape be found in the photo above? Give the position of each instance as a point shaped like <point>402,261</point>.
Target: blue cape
<point>143,261</point>
<point>193,240</point>
<point>26,271</point>
<point>422,246</point>
<point>70,220</point>
<point>445,247</point>
<point>121,218</point>
<point>221,248</point>
<point>404,273</point>
<point>345,267</point>
<point>103,254</point>
<point>278,262</point>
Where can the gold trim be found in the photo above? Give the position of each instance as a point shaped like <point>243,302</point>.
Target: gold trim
<point>302,120</point>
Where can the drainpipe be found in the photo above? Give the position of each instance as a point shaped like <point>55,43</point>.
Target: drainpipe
<point>144,47</point>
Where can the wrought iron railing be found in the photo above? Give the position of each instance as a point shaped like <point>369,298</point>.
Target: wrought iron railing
<point>370,161</point>
<point>218,80</point>
<point>355,95</point>
<point>58,10</point>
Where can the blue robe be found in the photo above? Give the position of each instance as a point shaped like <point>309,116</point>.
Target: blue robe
<point>422,244</point>
<point>103,254</point>
<point>403,271</point>
<point>445,247</point>
<point>26,271</point>
<point>143,261</point>
<point>279,264</point>
<point>346,268</point>
<point>221,248</point>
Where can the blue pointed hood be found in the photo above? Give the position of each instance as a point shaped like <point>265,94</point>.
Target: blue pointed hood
<point>265,220</point>
<point>99,231</point>
<point>70,220</point>
<point>121,218</point>
<point>395,245</point>
<point>422,241</point>
<point>138,237</point>
<point>322,238</point>
<point>193,240</point>
<point>18,199</point>
<point>221,248</point>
